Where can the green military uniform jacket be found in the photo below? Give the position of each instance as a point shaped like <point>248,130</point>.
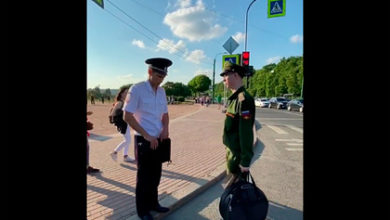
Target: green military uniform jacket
<point>238,130</point>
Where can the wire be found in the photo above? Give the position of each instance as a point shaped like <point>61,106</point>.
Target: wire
<point>153,33</point>
<point>184,52</point>
<point>131,26</point>
<point>136,30</point>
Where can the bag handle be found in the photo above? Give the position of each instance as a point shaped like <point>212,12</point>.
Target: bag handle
<point>245,176</point>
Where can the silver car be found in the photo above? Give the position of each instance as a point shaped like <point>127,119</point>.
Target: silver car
<point>262,102</point>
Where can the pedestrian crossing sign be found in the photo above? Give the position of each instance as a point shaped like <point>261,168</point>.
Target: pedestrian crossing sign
<point>233,58</point>
<point>99,2</point>
<point>276,8</point>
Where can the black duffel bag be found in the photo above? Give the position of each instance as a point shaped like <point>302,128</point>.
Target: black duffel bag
<point>243,200</point>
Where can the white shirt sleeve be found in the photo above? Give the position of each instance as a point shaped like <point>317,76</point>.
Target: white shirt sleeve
<point>132,98</point>
<point>165,108</point>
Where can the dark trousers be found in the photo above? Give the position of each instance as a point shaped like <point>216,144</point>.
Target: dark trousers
<point>87,152</point>
<point>148,176</point>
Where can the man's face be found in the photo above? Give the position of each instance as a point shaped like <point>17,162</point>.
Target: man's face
<point>229,79</point>
<point>156,77</point>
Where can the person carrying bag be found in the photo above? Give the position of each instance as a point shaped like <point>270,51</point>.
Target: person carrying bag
<point>243,200</point>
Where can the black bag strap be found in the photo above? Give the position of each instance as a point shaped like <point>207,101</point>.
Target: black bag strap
<point>245,176</point>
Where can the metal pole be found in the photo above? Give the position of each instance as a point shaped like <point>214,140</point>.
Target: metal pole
<point>302,88</point>
<point>212,100</point>
<point>246,22</point>
<point>246,33</point>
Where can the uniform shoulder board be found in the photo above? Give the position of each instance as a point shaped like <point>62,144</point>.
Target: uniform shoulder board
<point>241,97</point>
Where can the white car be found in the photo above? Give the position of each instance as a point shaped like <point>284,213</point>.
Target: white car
<point>261,102</point>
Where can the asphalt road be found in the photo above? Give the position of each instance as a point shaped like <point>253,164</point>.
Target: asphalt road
<point>277,168</point>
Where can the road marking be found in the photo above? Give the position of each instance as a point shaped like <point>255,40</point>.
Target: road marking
<point>277,130</point>
<point>294,149</point>
<point>295,144</point>
<point>292,139</point>
<point>300,130</point>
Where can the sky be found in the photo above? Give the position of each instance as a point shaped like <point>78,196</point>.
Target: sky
<point>191,33</point>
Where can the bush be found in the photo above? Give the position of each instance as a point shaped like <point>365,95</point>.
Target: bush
<point>180,99</point>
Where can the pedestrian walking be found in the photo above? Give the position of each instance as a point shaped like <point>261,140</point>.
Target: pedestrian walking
<point>116,117</point>
<point>102,98</point>
<point>92,100</point>
<point>239,121</point>
<point>146,111</point>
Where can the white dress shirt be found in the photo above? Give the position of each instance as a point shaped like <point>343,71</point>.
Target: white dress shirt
<point>147,107</point>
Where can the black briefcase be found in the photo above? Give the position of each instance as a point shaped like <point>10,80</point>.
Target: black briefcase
<point>243,200</point>
<point>162,153</point>
<point>164,150</point>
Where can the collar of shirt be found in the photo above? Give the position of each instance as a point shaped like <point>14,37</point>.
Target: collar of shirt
<point>150,88</point>
<point>235,94</point>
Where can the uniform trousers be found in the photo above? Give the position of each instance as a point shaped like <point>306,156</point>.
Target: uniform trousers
<point>148,176</point>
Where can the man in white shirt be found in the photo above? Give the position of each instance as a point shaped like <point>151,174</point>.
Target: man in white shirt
<point>146,111</point>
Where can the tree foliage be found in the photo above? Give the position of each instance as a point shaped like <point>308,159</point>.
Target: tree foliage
<point>199,83</point>
<point>176,89</point>
<point>278,79</point>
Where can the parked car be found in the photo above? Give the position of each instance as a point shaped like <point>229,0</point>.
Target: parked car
<point>261,102</point>
<point>295,105</point>
<point>278,103</point>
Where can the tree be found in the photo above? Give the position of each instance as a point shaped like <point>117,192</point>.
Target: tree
<point>278,79</point>
<point>96,92</point>
<point>199,83</point>
<point>176,89</point>
<point>107,93</point>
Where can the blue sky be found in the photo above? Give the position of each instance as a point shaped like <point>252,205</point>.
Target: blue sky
<point>191,33</point>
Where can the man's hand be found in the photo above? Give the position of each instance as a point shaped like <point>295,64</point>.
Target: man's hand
<point>164,134</point>
<point>153,141</point>
<point>244,169</point>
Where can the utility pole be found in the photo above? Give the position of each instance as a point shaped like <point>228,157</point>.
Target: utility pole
<point>246,34</point>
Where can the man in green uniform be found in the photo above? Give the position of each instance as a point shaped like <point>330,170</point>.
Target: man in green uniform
<point>238,129</point>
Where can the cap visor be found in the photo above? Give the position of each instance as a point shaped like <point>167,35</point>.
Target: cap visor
<point>223,73</point>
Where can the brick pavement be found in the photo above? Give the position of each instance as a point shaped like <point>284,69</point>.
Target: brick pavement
<point>198,156</point>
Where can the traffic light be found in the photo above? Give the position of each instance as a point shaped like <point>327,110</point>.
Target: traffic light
<point>245,58</point>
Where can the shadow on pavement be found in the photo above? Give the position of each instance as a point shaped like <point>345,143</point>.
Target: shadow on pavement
<point>258,150</point>
<point>281,212</point>
<point>202,207</point>
<point>115,183</point>
<point>257,125</point>
<point>98,137</point>
<point>173,175</point>
<point>116,201</point>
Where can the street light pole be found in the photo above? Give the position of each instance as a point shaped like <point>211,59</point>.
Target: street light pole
<point>212,100</point>
<point>302,88</point>
<point>246,22</point>
<point>246,34</point>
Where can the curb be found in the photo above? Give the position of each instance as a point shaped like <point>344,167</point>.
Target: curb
<point>180,197</point>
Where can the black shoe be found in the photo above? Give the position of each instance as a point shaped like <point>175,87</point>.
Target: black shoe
<point>92,170</point>
<point>147,217</point>
<point>159,208</point>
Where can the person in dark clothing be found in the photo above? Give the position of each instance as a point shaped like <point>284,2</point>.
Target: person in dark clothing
<point>90,169</point>
<point>146,111</point>
<point>239,121</point>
